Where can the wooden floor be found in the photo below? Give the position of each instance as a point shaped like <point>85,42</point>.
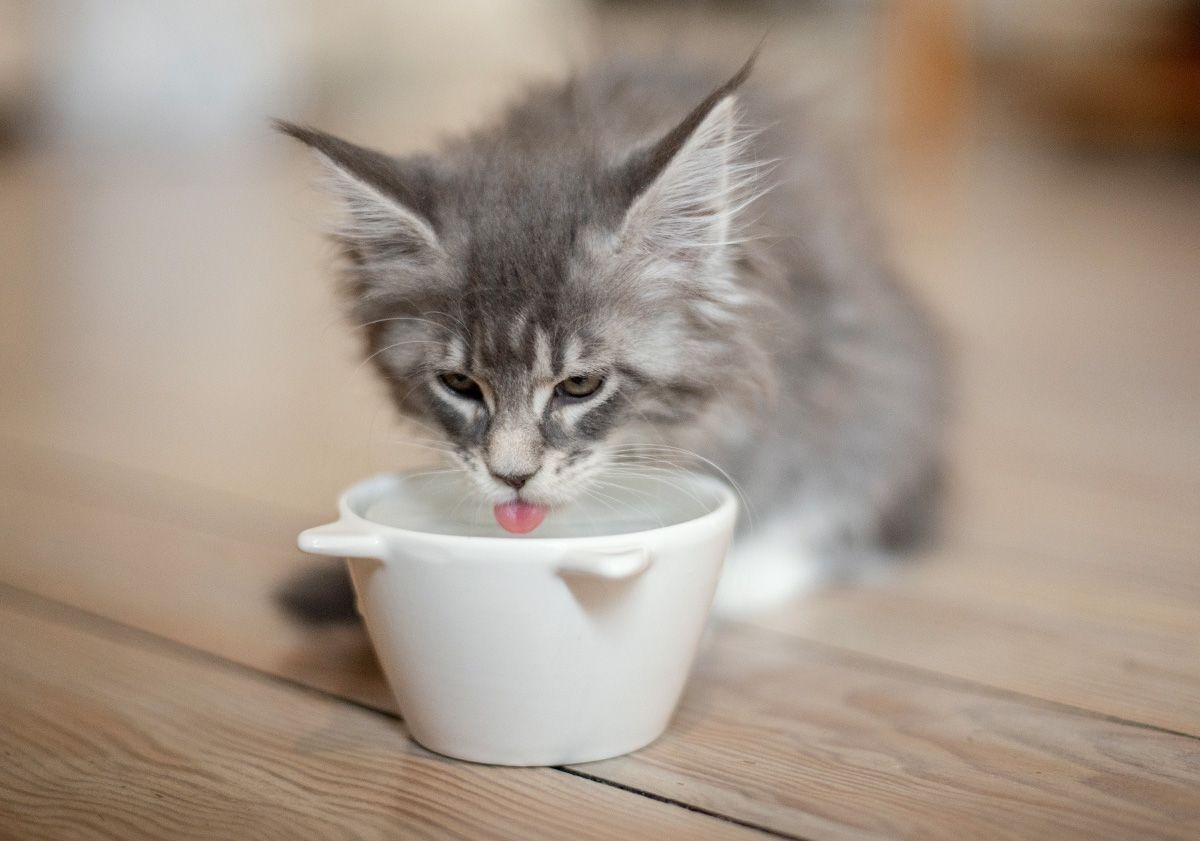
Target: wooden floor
<point>1036,675</point>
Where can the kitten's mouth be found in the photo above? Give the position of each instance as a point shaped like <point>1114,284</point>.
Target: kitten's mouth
<point>520,517</point>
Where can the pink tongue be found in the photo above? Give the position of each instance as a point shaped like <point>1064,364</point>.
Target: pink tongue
<point>519,517</point>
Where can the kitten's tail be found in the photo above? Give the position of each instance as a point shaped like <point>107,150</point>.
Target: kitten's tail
<point>319,595</point>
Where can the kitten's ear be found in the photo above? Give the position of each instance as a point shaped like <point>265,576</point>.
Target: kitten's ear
<point>388,203</point>
<point>685,190</point>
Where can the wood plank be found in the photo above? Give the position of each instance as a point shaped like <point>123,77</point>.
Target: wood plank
<point>190,564</point>
<point>107,733</point>
<point>1091,599</point>
<point>771,732</point>
<point>1121,592</point>
<point>1146,675</point>
<point>144,569</point>
<point>139,566</point>
<point>830,746</point>
<point>199,566</point>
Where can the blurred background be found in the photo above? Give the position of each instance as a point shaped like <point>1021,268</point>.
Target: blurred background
<point>175,377</point>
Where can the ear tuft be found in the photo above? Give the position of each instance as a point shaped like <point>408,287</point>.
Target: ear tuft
<point>388,203</point>
<point>646,167</point>
<point>682,229</point>
<point>686,193</point>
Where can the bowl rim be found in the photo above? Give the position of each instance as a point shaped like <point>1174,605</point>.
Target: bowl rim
<point>352,499</point>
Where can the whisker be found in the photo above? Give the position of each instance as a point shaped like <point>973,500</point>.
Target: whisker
<point>444,449</point>
<point>608,501</point>
<point>629,504</point>
<point>635,448</point>
<point>433,472</point>
<point>371,356</point>
<point>675,485</point>
<point>421,425</point>
<point>429,321</point>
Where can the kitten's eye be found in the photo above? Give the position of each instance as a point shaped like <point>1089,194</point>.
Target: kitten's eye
<point>584,385</point>
<point>461,384</point>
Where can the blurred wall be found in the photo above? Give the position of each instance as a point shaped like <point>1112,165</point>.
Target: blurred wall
<point>167,303</point>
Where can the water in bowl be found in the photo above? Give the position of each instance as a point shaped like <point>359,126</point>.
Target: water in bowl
<point>445,504</point>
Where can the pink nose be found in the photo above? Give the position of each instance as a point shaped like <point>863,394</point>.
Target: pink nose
<point>516,481</point>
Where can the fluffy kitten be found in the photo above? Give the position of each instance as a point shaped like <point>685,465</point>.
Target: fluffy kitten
<point>645,255</point>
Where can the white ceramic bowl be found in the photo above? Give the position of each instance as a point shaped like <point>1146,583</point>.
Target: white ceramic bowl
<point>541,649</point>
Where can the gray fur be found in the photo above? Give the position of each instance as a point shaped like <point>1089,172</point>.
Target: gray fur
<point>710,263</point>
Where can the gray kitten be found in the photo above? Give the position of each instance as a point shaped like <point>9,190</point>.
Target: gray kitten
<point>605,275</point>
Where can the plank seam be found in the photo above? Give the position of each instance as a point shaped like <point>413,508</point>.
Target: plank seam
<point>111,625</point>
<point>574,772</point>
<point>927,676</point>
<point>934,677</point>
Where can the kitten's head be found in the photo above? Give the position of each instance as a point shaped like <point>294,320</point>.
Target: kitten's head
<point>537,298</point>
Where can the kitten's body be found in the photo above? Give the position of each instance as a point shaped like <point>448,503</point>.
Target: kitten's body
<point>838,464</point>
<point>777,347</point>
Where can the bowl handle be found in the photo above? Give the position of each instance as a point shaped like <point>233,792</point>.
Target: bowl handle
<point>342,540</point>
<point>610,564</point>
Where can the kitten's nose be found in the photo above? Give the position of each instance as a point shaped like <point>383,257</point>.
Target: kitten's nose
<point>516,481</point>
